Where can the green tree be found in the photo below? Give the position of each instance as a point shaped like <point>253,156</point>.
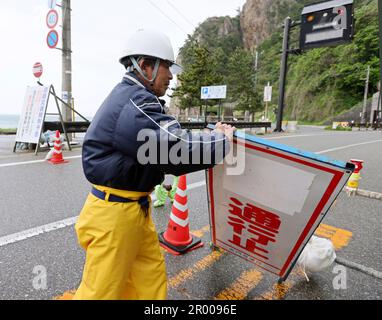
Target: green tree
<point>240,81</point>
<point>199,70</point>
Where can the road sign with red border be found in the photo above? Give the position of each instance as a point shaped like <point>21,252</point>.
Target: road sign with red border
<point>52,39</point>
<point>52,19</point>
<point>37,69</point>
<point>268,209</point>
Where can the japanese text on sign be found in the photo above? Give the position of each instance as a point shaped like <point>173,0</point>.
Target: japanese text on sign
<point>253,228</point>
<point>32,116</point>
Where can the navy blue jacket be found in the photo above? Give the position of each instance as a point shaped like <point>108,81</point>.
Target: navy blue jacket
<point>118,153</point>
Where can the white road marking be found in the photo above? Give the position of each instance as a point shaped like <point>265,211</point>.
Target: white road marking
<point>16,237</point>
<point>13,164</point>
<point>26,234</point>
<point>297,136</point>
<point>348,146</point>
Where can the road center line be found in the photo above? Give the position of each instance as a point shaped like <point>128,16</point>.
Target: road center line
<point>348,146</point>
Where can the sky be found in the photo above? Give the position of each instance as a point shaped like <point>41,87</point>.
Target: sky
<point>99,31</point>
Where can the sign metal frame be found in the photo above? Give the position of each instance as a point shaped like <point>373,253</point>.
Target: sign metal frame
<point>325,190</point>
<point>49,91</point>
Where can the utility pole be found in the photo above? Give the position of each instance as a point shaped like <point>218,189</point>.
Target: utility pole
<point>66,61</point>
<point>380,39</point>
<point>283,72</point>
<point>256,66</point>
<point>363,115</point>
<point>380,56</point>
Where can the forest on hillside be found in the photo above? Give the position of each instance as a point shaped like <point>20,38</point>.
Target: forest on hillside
<point>321,82</point>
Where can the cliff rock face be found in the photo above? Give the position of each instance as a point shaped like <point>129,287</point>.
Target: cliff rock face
<point>260,18</point>
<point>216,28</point>
<point>253,22</point>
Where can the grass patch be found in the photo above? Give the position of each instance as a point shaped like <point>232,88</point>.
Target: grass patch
<point>8,130</point>
<point>338,128</point>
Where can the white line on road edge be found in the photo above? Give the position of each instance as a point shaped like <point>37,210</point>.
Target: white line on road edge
<point>299,136</point>
<point>16,237</point>
<point>359,267</point>
<point>348,146</point>
<point>19,236</point>
<point>12,164</point>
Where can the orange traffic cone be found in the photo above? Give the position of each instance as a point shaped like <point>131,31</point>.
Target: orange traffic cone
<point>177,239</point>
<point>57,157</point>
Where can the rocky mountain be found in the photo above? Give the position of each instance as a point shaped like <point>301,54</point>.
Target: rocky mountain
<point>260,18</point>
<point>321,82</point>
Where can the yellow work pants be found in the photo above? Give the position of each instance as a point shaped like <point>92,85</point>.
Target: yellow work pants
<point>123,256</point>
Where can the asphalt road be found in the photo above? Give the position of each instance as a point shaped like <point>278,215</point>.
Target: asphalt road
<point>37,195</point>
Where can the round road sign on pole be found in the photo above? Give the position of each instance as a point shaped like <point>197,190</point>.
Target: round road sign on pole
<point>52,19</point>
<point>37,69</point>
<point>52,39</point>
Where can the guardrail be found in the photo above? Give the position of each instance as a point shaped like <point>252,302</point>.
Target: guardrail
<point>72,127</point>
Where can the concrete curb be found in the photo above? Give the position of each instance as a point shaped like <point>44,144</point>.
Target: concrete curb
<point>369,194</point>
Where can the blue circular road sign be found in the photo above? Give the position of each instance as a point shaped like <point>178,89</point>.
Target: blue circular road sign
<point>52,39</point>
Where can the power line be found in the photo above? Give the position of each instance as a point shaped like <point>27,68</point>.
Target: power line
<point>181,14</point>
<point>160,10</point>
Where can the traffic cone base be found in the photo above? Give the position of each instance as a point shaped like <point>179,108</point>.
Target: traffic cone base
<point>178,250</point>
<point>58,161</point>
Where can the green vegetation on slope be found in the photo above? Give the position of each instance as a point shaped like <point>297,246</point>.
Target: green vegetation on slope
<point>321,82</point>
<point>324,82</point>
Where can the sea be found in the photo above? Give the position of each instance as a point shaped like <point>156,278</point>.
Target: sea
<point>11,121</point>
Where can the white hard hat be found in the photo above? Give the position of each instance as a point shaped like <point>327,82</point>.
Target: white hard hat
<point>153,44</point>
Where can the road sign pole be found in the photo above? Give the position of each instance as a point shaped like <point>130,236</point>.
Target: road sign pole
<point>283,72</point>
<point>380,41</point>
<point>66,60</point>
<point>363,116</point>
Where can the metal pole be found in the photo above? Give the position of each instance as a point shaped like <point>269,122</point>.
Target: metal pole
<point>66,61</point>
<point>380,39</point>
<point>256,67</point>
<point>283,72</point>
<point>363,116</point>
<point>380,56</point>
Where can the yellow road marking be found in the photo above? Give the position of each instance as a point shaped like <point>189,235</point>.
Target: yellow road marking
<point>68,295</point>
<point>277,292</point>
<point>241,287</point>
<point>200,233</point>
<point>188,273</point>
<point>339,237</point>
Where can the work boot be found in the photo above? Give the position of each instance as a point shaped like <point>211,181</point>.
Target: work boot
<point>161,195</point>
<point>172,192</point>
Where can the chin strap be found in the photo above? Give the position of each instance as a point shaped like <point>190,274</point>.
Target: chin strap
<point>141,72</point>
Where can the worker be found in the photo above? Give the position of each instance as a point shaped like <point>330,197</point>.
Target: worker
<point>123,256</point>
<point>162,191</point>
